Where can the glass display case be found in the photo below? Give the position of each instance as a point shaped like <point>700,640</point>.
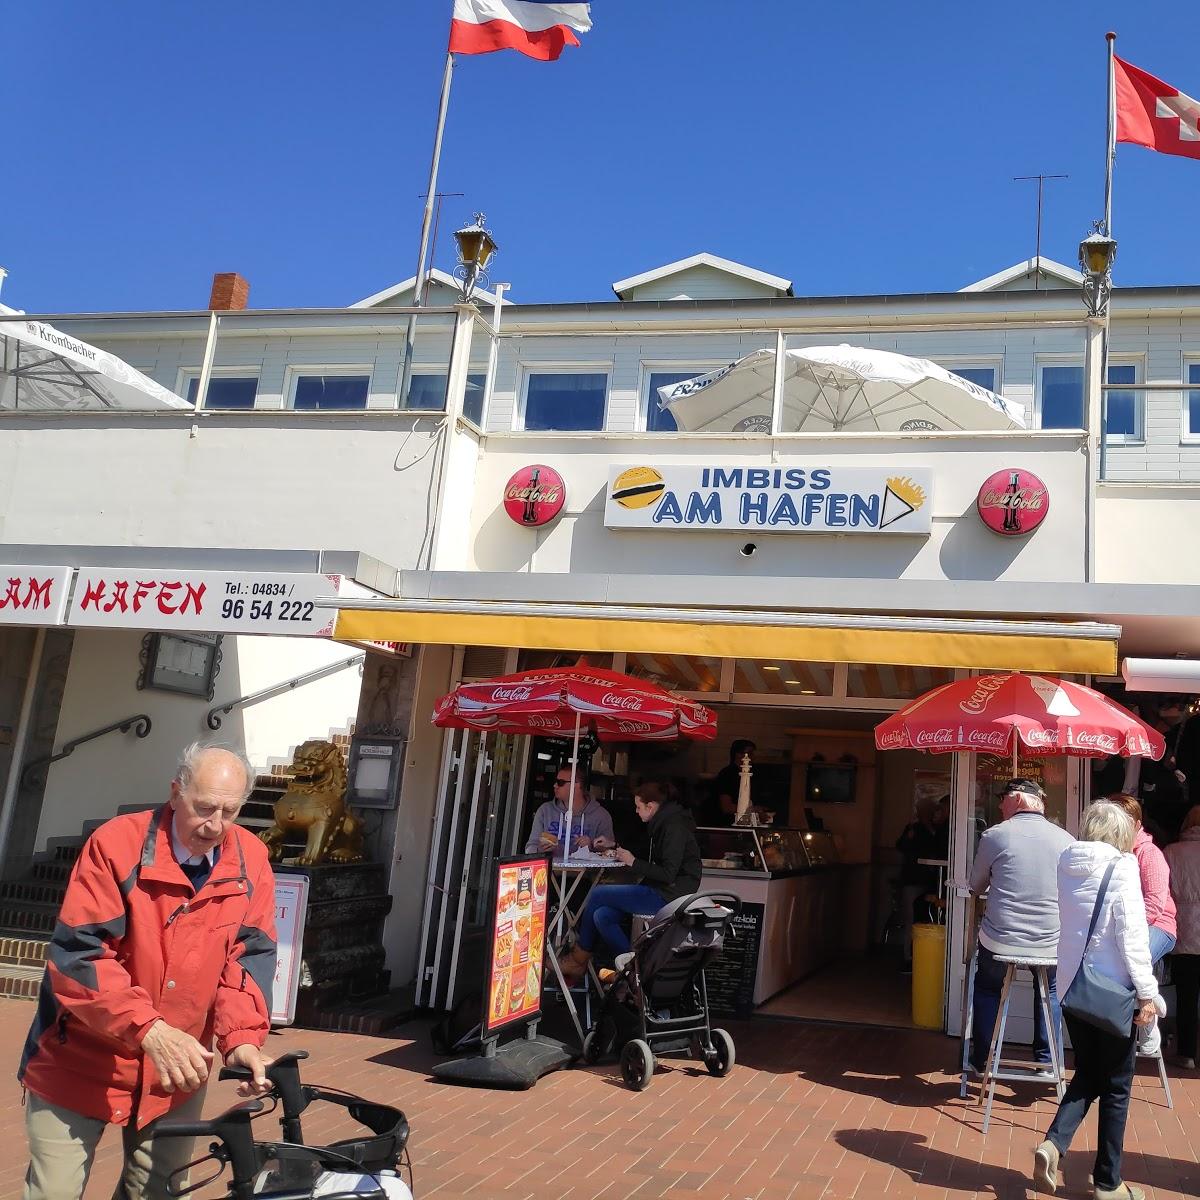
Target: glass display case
<point>763,849</point>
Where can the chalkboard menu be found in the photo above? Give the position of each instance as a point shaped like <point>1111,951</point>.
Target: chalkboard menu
<point>730,979</point>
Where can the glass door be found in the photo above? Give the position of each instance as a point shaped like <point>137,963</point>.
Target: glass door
<point>478,811</point>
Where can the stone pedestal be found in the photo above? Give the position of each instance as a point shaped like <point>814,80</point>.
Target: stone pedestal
<point>343,936</point>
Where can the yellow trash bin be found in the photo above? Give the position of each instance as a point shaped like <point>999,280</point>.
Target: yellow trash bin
<point>929,975</point>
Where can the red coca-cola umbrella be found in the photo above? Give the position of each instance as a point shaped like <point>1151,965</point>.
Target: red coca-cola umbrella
<point>568,700</point>
<point>998,714</point>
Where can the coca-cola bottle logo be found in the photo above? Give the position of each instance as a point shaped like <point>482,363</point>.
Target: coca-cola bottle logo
<point>535,495</point>
<point>1013,502</point>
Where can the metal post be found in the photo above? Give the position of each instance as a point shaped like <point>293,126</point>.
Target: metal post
<point>9,805</point>
<point>426,221</point>
<point>1111,147</point>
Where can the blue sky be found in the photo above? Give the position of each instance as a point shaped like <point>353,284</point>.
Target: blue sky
<point>854,148</point>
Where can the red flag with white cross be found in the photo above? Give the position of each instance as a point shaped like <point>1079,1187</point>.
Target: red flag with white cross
<point>1154,114</point>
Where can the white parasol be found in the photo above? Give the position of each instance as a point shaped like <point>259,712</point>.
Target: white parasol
<point>44,368</point>
<point>836,389</point>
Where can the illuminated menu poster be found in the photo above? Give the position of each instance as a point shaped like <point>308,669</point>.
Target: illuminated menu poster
<point>518,925</point>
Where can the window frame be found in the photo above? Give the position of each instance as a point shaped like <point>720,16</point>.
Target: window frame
<point>1042,361</point>
<point>185,376</point>
<point>1138,437</point>
<point>296,371</point>
<point>647,368</point>
<point>1186,437</point>
<point>992,362</point>
<point>433,372</point>
<point>530,369</point>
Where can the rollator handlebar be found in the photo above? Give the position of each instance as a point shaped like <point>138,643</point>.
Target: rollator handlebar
<point>284,1077</point>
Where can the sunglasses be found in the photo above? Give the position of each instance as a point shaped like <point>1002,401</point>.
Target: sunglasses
<point>562,782</point>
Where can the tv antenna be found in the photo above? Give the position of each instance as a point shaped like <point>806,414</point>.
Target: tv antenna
<point>1037,253</point>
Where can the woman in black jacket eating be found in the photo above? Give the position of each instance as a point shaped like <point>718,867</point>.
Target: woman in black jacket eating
<point>671,869</point>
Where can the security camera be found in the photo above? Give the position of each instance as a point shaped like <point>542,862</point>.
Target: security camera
<point>748,550</point>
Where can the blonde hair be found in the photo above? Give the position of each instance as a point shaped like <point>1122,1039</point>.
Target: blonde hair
<point>1109,823</point>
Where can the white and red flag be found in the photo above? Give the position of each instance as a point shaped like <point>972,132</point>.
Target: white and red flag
<point>1154,114</point>
<point>538,28</point>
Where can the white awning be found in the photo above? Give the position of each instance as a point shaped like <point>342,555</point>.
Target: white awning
<point>1161,674</point>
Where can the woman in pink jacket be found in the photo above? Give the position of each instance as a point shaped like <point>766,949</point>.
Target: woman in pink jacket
<point>1155,875</point>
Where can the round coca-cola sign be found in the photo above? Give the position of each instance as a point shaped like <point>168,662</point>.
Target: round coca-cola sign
<point>1013,502</point>
<point>535,495</point>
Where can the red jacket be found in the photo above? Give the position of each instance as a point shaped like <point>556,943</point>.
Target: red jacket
<point>134,943</point>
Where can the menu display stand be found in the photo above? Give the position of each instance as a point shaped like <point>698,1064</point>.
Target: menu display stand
<point>513,982</point>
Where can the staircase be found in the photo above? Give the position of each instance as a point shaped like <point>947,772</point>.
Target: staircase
<point>28,909</point>
<point>29,906</point>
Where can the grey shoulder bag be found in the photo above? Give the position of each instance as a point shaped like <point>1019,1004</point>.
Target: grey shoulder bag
<point>1095,998</point>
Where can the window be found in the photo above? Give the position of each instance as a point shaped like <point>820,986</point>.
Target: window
<point>1062,397</point>
<point>225,391</point>
<point>1123,413</point>
<point>984,377</point>
<point>427,393</point>
<point>559,400</point>
<point>658,420</point>
<point>1191,409</point>
<point>328,391</point>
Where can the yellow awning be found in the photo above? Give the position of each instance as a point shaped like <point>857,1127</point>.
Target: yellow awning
<point>1016,646</point>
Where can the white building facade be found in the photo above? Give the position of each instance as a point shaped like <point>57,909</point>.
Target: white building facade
<point>306,446</point>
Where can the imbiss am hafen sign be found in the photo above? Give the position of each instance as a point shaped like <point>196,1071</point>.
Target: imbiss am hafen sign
<point>796,499</point>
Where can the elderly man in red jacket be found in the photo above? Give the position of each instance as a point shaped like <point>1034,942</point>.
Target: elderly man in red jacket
<point>165,943</point>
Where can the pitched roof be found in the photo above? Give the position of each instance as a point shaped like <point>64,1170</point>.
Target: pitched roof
<point>703,259</point>
<point>1066,276</point>
<point>409,285</point>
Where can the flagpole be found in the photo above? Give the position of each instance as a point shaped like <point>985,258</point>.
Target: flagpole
<point>1112,144</point>
<point>1110,155</point>
<point>426,221</point>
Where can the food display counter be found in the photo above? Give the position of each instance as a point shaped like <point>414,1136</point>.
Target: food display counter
<point>792,889</point>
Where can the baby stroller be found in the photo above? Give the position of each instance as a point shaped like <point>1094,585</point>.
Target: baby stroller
<point>367,1167</point>
<point>658,1003</point>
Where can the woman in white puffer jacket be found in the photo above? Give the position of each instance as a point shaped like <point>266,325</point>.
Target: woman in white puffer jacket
<point>1119,949</point>
<point>1184,860</point>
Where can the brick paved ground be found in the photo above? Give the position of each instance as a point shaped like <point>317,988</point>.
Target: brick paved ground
<point>808,1112</point>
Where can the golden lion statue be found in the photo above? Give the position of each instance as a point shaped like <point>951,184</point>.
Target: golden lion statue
<point>315,804</point>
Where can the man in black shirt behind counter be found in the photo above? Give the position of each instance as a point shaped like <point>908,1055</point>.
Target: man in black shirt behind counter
<point>722,806</point>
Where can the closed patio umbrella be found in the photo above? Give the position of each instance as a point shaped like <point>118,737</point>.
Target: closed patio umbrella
<point>43,368</point>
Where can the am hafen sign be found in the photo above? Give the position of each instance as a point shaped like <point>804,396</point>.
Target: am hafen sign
<point>796,499</point>
<point>205,601</point>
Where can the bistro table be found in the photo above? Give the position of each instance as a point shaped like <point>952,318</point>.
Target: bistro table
<point>573,878</point>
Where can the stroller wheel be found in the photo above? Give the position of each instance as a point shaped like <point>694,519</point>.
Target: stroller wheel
<point>723,1056</point>
<point>592,1046</point>
<point>637,1064</point>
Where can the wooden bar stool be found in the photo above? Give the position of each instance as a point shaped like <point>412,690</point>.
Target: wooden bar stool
<point>1018,1070</point>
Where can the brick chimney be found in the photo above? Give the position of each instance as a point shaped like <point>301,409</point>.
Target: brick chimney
<point>229,290</point>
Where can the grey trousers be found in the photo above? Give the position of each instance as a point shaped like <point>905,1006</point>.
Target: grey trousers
<point>62,1146</point>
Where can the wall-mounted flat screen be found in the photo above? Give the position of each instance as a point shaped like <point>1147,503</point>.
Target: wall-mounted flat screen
<point>829,783</point>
